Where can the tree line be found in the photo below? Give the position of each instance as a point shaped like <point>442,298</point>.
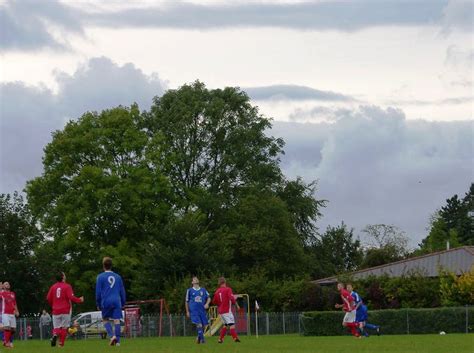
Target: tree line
<point>191,187</point>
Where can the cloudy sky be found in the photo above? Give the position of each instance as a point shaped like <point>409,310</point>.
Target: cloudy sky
<point>373,98</point>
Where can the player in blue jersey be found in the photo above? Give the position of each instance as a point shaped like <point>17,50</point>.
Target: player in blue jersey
<point>197,302</point>
<point>110,299</point>
<point>362,313</point>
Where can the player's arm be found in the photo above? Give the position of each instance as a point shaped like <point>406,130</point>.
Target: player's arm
<point>98,293</point>
<point>186,303</point>
<point>232,299</point>
<point>72,297</point>
<point>123,296</point>
<point>208,301</point>
<point>49,296</point>
<point>215,299</point>
<point>17,312</point>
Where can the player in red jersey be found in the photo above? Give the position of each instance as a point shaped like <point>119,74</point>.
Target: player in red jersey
<point>348,306</point>
<point>224,298</point>
<point>9,314</point>
<point>60,296</point>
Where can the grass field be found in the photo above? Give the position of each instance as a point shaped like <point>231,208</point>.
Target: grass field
<point>450,343</point>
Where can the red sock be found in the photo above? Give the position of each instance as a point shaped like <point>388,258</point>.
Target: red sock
<point>62,336</point>
<point>223,332</point>
<point>55,331</point>
<point>7,335</point>
<point>352,326</point>
<point>233,333</point>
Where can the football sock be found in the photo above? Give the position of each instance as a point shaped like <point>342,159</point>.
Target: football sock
<point>352,327</point>
<point>108,328</point>
<point>233,333</point>
<point>200,333</point>
<point>223,332</point>
<point>1,336</point>
<point>372,326</point>
<point>62,336</point>
<point>7,336</point>
<point>117,332</point>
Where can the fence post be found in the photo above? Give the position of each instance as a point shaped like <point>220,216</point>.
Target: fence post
<point>268,323</point>
<point>299,323</point>
<point>283,317</point>
<point>467,320</point>
<point>184,325</point>
<point>408,323</point>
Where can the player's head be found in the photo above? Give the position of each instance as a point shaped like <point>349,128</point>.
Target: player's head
<point>44,311</point>
<point>340,285</point>
<point>195,281</point>
<point>107,263</point>
<point>6,285</point>
<point>349,287</point>
<point>221,281</point>
<point>60,277</point>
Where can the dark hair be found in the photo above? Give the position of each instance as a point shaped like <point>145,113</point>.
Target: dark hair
<point>59,276</point>
<point>107,263</point>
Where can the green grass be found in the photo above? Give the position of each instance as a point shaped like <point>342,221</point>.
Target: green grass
<point>450,343</point>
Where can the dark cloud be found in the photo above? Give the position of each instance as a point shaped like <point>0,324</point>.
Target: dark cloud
<point>28,115</point>
<point>319,15</point>
<point>374,166</point>
<point>294,92</point>
<point>26,25</point>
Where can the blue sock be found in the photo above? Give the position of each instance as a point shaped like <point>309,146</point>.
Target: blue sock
<point>372,326</point>
<point>1,336</point>
<point>108,328</point>
<point>117,332</point>
<point>200,333</point>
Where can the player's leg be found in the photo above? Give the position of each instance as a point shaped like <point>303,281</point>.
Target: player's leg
<point>230,320</point>
<point>349,322</point>
<point>117,332</point>
<point>1,329</point>
<point>65,322</point>
<point>204,323</point>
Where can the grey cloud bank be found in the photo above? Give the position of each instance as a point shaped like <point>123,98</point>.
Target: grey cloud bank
<point>25,24</point>
<point>373,165</point>
<point>294,92</point>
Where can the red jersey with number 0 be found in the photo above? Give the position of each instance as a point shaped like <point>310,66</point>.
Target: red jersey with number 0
<point>8,302</point>
<point>223,298</point>
<point>347,300</point>
<point>60,296</point>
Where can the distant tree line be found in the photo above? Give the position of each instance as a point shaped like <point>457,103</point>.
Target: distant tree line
<point>192,186</point>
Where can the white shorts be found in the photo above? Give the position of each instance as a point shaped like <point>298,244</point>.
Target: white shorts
<point>9,320</point>
<point>349,317</point>
<point>228,319</point>
<point>61,320</point>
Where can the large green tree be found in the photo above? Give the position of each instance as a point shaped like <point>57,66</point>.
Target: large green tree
<point>192,185</point>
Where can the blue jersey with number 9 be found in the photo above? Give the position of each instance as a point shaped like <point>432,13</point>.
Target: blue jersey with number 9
<point>109,290</point>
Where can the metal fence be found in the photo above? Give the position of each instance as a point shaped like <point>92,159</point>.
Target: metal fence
<point>262,324</point>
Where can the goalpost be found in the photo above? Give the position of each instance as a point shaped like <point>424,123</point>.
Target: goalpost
<point>133,317</point>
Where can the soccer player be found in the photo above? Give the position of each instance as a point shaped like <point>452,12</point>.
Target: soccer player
<point>9,314</point>
<point>110,299</point>
<point>348,307</point>
<point>59,297</point>
<point>1,310</point>
<point>224,298</point>
<point>197,302</point>
<point>361,313</point>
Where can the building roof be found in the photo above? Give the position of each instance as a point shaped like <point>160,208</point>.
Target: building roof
<point>457,260</point>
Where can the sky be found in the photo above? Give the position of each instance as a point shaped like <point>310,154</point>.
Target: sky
<point>374,99</point>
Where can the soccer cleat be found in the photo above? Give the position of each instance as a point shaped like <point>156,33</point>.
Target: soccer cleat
<point>237,340</point>
<point>378,331</point>
<point>117,344</point>
<point>198,340</point>
<point>54,340</point>
<point>220,341</point>
<point>113,341</point>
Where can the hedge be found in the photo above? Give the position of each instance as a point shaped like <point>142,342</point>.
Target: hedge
<point>401,321</point>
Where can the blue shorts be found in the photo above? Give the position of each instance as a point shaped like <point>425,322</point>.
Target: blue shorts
<point>199,317</point>
<point>113,312</point>
<point>361,314</point>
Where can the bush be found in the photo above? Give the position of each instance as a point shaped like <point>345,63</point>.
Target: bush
<point>414,321</point>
